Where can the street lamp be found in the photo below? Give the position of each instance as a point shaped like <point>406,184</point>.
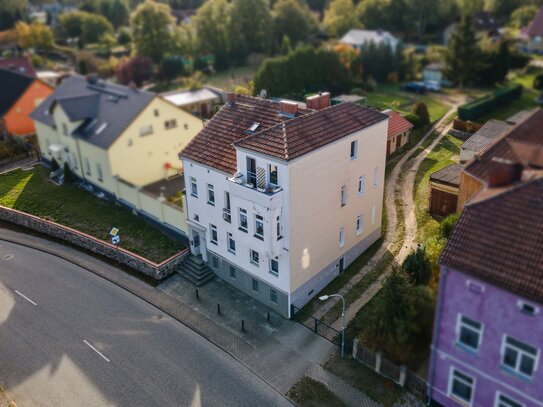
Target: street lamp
<point>324,298</point>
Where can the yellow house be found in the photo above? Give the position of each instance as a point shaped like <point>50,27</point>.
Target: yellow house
<point>121,141</point>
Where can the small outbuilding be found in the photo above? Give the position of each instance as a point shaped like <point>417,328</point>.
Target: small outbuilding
<point>444,186</point>
<point>399,130</point>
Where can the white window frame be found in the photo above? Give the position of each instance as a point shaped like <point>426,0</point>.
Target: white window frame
<point>146,130</point>
<point>272,271</point>
<point>252,253</point>
<point>520,352</point>
<point>362,185</point>
<point>87,167</point>
<point>521,304</point>
<point>232,272</point>
<point>210,194</point>
<point>450,387</point>
<point>243,213</point>
<point>193,187</point>
<point>170,124</point>
<point>213,230</point>
<point>500,395</point>
<point>460,324</point>
<point>341,236</point>
<point>230,238</point>
<point>343,196</point>
<point>273,294</point>
<point>376,177</point>
<point>353,152</point>
<point>255,283</point>
<point>270,166</point>
<point>99,173</point>
<point>259,219</point>
<point>278,227</point>
<point>359,224</point>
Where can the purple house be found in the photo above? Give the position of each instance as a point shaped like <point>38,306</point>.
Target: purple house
<point>488,334</point>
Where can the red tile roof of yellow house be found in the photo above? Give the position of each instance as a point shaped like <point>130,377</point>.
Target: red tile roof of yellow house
<point>397,124</point>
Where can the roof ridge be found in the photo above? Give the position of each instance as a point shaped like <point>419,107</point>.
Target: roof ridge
<point>285,140</point>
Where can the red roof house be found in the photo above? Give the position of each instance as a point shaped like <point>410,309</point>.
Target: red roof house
<point>398,131</point>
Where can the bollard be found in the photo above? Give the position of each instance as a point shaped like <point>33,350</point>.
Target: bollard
<point>197,295</point>
<point>219,309</point>
<point>242,325</point>
<point>268,317</point>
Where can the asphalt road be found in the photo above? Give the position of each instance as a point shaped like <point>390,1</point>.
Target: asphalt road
<point>70,338</point>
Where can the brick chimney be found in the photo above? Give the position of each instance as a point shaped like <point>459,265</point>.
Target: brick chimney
<point>288,109</point>
<point>230,98</point>
<point>503,172</point>
<point>318,102</point>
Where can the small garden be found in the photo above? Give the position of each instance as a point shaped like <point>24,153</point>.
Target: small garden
<point>72,206</point>
<point>311,393</point>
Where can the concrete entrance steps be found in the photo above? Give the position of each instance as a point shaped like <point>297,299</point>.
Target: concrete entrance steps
<point>195,270</point>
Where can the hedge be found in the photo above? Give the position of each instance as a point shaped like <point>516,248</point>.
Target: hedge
<point>487,104</point>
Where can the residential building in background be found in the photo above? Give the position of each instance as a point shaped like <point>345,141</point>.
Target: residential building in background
<point>358,38</point>
<point>281,197</point>
<point>122,141</point>
<point>20,95</point>
<point>488,333</point>
<point>199,102</point>
<point>532,35</point>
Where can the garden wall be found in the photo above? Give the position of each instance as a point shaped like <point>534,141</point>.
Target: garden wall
<point>87,242</point>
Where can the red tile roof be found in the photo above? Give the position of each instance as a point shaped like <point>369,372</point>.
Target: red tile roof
<point>499,239</point>
<point>279,136</point>
<point>18,64</point>
<point>397,124</point>
<point>302,135</point>
<point>522,144</point>
<point>213,144</point>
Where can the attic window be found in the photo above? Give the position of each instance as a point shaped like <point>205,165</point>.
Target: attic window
<point>253,128</point>
<point>101,128</point>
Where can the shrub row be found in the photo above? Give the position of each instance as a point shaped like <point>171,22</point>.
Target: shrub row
<point>487,104</point>
<point>469,126</point>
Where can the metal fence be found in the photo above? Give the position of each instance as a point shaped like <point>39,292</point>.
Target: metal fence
<point>320,327</point>
<point>399,374</point>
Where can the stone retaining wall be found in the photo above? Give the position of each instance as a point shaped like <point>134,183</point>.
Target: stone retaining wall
<point>79,239</point>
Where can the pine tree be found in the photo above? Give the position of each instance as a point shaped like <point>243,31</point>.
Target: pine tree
<point>463,53</point>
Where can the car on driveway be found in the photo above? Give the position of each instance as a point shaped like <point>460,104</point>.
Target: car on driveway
<point>417,87</point>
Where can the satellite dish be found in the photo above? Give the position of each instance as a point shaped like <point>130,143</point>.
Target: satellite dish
<point>263,93</point>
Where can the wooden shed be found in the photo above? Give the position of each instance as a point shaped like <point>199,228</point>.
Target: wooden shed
<point>444,186</point>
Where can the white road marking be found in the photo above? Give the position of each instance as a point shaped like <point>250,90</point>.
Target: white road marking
<point>8,257</point>
<point>25,297</point>
<point>96,350</point>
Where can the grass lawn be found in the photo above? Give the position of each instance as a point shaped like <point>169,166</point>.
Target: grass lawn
<point>311,393</point>
<point>375,386</point>
<point>31,192</point>
<point>229,79</point>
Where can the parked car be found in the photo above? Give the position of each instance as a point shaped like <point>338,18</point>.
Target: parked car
<point>433,86</point>
<point>417,87</point>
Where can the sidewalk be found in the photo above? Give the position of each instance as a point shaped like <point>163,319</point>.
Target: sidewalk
<point>280,353</point>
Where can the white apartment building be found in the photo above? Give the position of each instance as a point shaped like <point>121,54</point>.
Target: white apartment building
<point>282,198</point>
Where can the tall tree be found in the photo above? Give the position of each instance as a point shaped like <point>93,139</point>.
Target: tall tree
<point>152,29</point>
<point>11,11</point>
<point>463,53</point>
<point>249,28</point>
<point>71,23</point>
<point>210,23</point>
<point>294,19</point>
<point>340,17</point>
<point>94,27</point>
<point>116,11</point>
<point>35,35</point>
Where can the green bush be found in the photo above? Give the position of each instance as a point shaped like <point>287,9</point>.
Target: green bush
<point>9,148</point>
<point>54,164</point>
<point>69,176</point>
<point>413,119</point>
<point>446,227</point>
<point>357,91</point>
<point>421,110</point>
<point>417,267</point>
<point>489,103</point>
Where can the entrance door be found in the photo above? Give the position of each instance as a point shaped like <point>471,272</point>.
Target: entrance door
<point>203,109</point>
<point>195,243</point>
<point>388,147</point>
<point>398,141</point>
<point>341,265</point>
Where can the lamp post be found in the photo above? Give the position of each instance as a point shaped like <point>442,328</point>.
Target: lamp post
<point>324,298</point>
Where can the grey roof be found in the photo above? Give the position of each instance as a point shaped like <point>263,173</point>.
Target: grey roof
<point>449,175</point>
<point>105,109</point>
<point>486,135</point>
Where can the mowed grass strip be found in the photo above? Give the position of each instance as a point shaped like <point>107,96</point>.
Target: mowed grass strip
<point>69,205</point>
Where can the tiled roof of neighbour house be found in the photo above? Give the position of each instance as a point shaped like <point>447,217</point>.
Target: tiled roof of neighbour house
<point>397,124</point>
<point>535,29</point>
<point>106,109</point>
<point>449,175</point>
<point>13,86</point>
<point>213,144</point>
<point>499,239</point>
<point>304,134</point>
<point>18,64</point>
<point>486,135</point>
<point>523,144</point>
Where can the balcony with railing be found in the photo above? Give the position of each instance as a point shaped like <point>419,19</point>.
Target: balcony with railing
<point>254,188</point>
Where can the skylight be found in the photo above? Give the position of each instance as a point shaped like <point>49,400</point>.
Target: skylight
<point>255,126</point>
